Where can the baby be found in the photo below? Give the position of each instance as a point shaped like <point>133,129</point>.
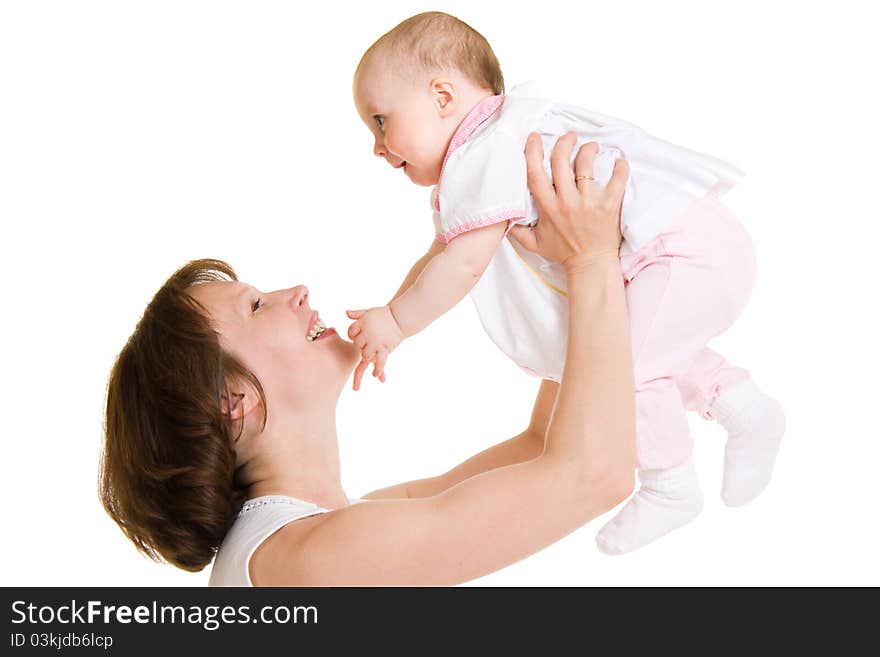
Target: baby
<point>432,94</point>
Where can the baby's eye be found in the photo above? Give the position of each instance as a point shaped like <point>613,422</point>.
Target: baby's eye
<point>256,305</point>
<point>380,121</point>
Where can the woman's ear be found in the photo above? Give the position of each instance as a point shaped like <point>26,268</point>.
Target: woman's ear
<point>444,96</point>
<point>238,405</point>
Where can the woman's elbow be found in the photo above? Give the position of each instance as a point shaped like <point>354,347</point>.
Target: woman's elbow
<point>607,487</point>
<point>614,490</point>
<point>596,488</point>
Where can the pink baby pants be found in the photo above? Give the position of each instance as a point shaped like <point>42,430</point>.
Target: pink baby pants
<point>683,288</point>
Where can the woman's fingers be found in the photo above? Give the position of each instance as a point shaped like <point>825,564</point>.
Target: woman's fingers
<point>539,183</point>
<point>578,218</point>
<point>525,235</point>
<point>583,166</point>
<point>560,165</point>
<point>617,185</point>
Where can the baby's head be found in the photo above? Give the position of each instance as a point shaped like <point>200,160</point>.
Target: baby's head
<point>414,86</point>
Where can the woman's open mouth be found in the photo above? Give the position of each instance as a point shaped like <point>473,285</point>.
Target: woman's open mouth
<point>317,329</point>
<point>326,332</point>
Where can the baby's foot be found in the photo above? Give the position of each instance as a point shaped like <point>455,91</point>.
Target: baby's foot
<point>755,423</point>
<point>667,499</point>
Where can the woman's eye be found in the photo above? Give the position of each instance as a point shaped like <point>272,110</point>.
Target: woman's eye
<point>255,306</point>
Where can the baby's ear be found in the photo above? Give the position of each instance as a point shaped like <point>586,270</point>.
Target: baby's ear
<point>443,93</point>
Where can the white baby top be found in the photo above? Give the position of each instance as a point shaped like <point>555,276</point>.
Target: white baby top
<point>258,519</point>
<point>521,296</point>
<point>483,179</point>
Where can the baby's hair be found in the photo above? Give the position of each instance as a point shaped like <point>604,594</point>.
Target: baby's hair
<point>438,41</point>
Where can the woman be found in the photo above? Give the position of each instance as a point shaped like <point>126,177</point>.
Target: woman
<point>223,402</point>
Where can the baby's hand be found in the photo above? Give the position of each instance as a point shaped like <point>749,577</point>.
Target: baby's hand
<point>378,369</point>
<point>376,334</point>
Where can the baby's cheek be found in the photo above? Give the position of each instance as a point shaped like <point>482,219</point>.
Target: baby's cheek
<point>397,145</point>
<point>433,162</point>
<point>435,173</point>
<point>390,144</point>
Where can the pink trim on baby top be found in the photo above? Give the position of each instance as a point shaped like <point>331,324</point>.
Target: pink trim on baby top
<point>475,118</point>
<point>510,216</point>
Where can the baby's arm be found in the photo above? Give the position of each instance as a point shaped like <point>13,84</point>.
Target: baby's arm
<point>435,283</point>
<point>435,248</point>
<point>446,278</point>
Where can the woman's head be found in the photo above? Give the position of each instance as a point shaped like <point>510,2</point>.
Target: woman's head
<point>416,83</point>
<point>212,365</point>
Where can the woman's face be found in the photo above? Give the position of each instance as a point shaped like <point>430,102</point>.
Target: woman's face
<point>272,334</point>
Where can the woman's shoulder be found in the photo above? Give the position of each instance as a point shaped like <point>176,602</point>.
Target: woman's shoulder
<point>258,519</point>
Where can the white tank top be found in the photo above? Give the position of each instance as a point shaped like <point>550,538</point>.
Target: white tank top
<point>258,519</point>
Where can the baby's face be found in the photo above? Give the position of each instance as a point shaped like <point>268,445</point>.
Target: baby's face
<point>408,126</point>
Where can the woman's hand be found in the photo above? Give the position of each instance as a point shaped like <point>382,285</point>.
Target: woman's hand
<point>579,221</point>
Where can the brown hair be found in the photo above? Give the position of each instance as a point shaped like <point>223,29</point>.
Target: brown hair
<point>168,474</point>
<point>437,41</point>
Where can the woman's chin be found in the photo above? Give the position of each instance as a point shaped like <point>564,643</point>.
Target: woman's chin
<point>349,355</point>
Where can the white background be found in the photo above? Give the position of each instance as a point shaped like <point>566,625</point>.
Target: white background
<point>137,136</point>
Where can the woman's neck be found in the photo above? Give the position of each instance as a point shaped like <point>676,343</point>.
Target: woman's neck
<point>298,458</point>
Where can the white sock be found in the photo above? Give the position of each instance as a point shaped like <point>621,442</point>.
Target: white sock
<point>667,499</point>
<point>755,423</point>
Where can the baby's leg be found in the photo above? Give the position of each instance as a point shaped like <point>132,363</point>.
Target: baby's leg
<point>669,495</point>
<point>683,289</point>
<point>754,422</point>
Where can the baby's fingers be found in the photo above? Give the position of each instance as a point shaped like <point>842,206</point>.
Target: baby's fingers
<point>379,365</point>
<point>359,374</point>
<point>355,314</point>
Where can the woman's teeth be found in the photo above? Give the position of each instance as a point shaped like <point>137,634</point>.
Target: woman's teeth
<point>316,331</point>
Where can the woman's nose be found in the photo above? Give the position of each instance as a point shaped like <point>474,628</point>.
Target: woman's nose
<point>299,296</point>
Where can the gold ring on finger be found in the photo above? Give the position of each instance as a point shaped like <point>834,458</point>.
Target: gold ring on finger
<point>579,178</point>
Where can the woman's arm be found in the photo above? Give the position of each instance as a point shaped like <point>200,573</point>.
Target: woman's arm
<point>523,447</point>
<point>500,516</point>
